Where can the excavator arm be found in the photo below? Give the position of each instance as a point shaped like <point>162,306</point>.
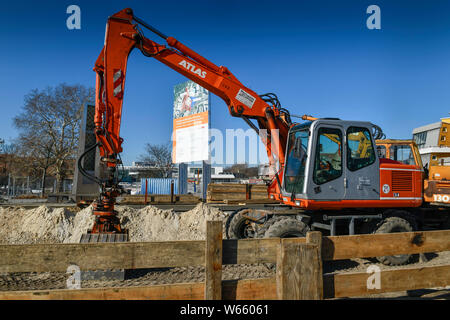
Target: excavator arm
<point>123,34</point>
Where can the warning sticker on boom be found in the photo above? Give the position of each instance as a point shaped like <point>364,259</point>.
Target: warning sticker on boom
<point>245,98</point>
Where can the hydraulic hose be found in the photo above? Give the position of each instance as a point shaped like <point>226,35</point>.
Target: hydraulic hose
<point>84,172</point>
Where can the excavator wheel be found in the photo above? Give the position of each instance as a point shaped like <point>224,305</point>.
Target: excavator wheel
<point>391,225</point>
<point>287,228</point>
<point>262,229</point>
<point>283,227</point>
<point>239,227</point>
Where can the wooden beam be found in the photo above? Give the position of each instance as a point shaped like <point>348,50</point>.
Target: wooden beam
<point>297,272</point>
<point>101,256</point>
<point>213,261</point>
<point>315,238</point>
<point>355,284</point>
<point>374,245</point>
<point>181,291</point>
<point>250,251</point>
<point>130,255</point>
<point>252,289</point>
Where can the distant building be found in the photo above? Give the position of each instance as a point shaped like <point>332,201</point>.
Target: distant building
<point>265,171</point>
<point>139,170</point>
<point>433,141</point>
<point>217,174</point>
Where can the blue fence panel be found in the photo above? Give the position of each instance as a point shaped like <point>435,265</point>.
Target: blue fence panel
<point>159,185</point>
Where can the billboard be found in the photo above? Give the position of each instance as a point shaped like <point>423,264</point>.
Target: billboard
<point>190,123</point>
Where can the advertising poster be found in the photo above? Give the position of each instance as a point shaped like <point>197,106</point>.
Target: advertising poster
<point>190,123</point>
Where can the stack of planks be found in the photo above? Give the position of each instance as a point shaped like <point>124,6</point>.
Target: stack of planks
<point>233,193</point>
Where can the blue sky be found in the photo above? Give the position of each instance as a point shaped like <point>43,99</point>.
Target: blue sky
<point>317,56</point>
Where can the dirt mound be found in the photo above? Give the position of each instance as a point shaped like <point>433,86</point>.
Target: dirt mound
<point>46,225</point>
<point>153,224</point>
<point>39,225</point>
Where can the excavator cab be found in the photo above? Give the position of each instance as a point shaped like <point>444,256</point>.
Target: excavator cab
<point>330,160</point>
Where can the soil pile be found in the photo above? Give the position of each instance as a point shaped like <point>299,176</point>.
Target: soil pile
<point>40,225</point>
<point>46,225</point>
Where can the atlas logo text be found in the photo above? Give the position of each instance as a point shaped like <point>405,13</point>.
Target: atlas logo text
<point>193,69</point>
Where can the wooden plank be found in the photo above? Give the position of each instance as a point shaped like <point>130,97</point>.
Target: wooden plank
<point>374,245</point>
<point>235,196</point>
<point>244,202</point>
<point>130,255</point>
<point>183,291</point>
<point>250,251</point>
<point>297,271</point>
<point>315,238</point>
<point>355,284</point>
<point>213,261</point>
<point>101,256</point>
<point>236,188</point>
<point>251,289</point>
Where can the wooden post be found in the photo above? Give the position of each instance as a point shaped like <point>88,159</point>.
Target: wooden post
<point>315,237</point>
<point>298,271</point>
<point>213,261</point>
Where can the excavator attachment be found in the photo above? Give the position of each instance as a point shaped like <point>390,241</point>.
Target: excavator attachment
<point>103,237</point>
<point>116,274</point>
<point>106,229</point>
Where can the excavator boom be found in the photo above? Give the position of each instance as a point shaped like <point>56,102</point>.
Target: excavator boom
<point>123,34</point>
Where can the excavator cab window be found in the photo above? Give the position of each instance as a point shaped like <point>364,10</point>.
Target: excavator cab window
<point>381,150</point>
<point>402,153</point>
<point>360,151</point>
<point>296,161</point>
<point>328,160</point>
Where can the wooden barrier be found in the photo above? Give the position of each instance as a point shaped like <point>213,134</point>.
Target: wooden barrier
<point>233,192</point>
<point>299,265</point>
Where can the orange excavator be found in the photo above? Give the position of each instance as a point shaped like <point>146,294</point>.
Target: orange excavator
<point>328,174</point>
<point>123,34</point>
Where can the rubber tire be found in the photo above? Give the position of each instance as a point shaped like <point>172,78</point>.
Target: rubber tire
<point>262,229</point>
<point>287,228</point>
<point>392,225</point>
<point>237,227</point>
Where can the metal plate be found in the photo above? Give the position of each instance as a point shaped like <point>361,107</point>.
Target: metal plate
<point>116,274</point>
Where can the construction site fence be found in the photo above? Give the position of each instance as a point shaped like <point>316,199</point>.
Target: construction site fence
<point>299,261</point>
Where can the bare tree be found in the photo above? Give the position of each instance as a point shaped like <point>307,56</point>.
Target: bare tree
<point>49,127</point>
<point>8,160</point>
<point>160,157</point>
<point>242,170</point>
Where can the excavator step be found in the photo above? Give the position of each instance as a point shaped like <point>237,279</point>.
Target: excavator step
<point>116,274</point>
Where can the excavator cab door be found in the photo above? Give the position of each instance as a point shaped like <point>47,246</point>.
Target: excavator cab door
<point>362,176</point>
